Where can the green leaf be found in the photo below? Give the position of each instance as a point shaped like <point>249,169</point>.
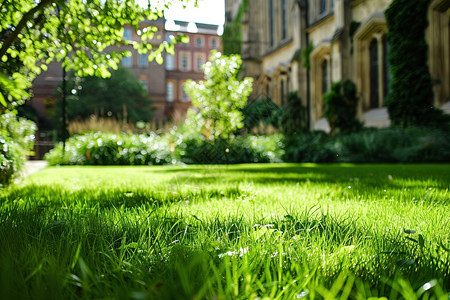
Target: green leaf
<point>2,100</point>
<point>405,263</point>
<point>421,241</point>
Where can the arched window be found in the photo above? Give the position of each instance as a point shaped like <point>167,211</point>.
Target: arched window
<point>374,82</point>
<point>323,6</point>
<point>283,101</point>
<point>324,77</point>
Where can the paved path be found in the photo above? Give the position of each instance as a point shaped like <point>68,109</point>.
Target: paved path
<point>32,166</point>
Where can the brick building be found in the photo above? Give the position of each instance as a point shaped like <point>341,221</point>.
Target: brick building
<point>163,82</point>
<point>187,62</point>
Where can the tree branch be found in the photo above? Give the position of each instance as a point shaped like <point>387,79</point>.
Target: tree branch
<point>26,17</point>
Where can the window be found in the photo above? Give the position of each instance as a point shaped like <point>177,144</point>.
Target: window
<point>324,77</point>
<point>282,93</point>
<point>323,6</point>
<point>374,83</point>
<point>127,61</point>
<point>184,96</point>
<point>199,42</point>
<point>127,34</point>
<point>170,62</point>
<point>283,19</point>
<point>214,43</point>
<point>199,63</point>
<point>288,83</point>
<point>170,38</point>
<point>169,91</point>
<point>143,61</point>
<point>332,4</point>
<point>184,63</point>
<point>271,25</point>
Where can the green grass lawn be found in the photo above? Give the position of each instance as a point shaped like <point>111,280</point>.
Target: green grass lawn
<point>273,231</point>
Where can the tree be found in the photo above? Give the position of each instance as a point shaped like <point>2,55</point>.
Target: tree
<point>78,33</point>
<point>121,96</point>
<point>410,98</point>
<point>218,100</point>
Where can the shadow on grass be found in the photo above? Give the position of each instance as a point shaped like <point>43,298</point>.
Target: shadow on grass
<point>168,253</point>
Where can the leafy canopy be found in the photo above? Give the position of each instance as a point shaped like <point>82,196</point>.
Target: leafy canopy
<point>219,98</point>
<point>121,96</point>
<point>81,34</point>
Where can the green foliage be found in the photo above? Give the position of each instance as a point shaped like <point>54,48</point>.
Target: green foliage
<point>389,145</point>
<point>33,34</point>
<point>410,98</point>
<point>293,119</point>
<point>9,160</point>
<point>340,107</point>
<point>261,111</point>
<point>354,26</point>
<point>395,145</point>
<point>219,98</point>
<point>232,32</point>
<point>112,149</point>
<point>16,141</point>
<point>307,55</point>
<point>121,96</point>
<point>193,149</point>
<point>314,146</point>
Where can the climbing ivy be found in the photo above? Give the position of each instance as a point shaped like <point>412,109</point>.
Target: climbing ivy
<point>306,55</point>
<point>410,98</point>
<point>232,32</point>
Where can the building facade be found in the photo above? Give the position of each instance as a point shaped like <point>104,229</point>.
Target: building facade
<point>163,82</point>
<point>187,62</point>
<point>305,46</point>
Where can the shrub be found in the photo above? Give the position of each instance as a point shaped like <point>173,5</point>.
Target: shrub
<point>112,149</point>
<point>341,108</point>
<point>388,145</point>
<point>413,144</point>
<point>16,140</point>
<point>262,111</point>
<point>193,148</point>
<point>9,160</point>
<point>314,146</point>
<point>294,119</point>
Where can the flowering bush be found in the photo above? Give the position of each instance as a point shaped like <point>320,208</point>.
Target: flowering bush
<point>112,149</point>
<point>16,140</point>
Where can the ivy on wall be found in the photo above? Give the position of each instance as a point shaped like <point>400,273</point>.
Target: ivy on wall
<point>232,32</point>
<point>410,98</point>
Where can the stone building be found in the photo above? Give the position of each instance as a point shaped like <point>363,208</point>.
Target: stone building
<point>337,40</point>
